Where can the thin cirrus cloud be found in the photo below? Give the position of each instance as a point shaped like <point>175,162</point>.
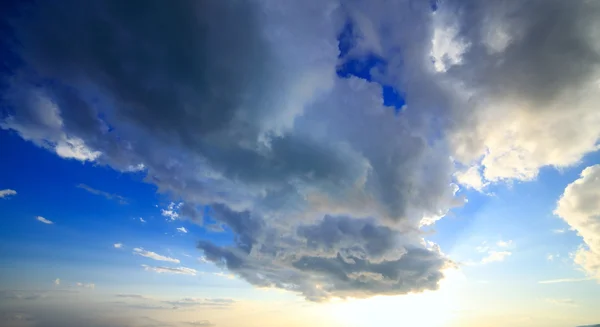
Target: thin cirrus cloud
<point>44,220</point>
<point>171,270</point>
<point>108,196</point>
<point>271,145</point>
<point>564,280</point>
<point>154,255</point>
<point>182,230</point>
<point>7,193</point>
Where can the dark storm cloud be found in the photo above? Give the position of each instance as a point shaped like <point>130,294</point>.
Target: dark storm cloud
<point>235,105</point>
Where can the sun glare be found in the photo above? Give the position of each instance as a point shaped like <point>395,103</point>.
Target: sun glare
<point>428,309</point>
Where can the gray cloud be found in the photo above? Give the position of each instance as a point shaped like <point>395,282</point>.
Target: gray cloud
<point>237,106</point>
<point>200,323</point>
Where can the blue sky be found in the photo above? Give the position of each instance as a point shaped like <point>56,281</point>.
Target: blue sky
<point>324,163</point>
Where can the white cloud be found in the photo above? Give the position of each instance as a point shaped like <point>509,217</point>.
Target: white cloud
<point>224,275</point>
<point>57,281</point>
<point>7,193</point>
<point>579,206</point>
<point>564,280</point>
<point>504,244</point>
<point>142,220</point>
<point>559,231</point>
<point>44,220</point>
<point>172,211</point>
<point>170,270</point>
<point>118,245</point>
<point>566,302</point>
<point>550,257</point>
<point>182,229</point>
<point>496,256</point>
<point>153,255</point>
<point>471,177</point>
<point>88,285</point>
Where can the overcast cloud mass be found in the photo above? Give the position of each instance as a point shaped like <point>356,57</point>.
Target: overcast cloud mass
<point>238,106</point>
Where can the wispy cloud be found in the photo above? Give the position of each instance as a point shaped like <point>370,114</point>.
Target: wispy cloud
<point>504,244</point>
<point>199,323</point>
<point>44,220</point>
<point>564,280</point>
<point>118,245</point>
<point>132,296</point>
<point>109,196</point>
<point>567,302</point>
<point>57,281</point>
<point>182,230</point>
<point>211,302</point>
<point>88,285</point>
<point>142,220</point>
<point>559,231</point>
<point>170,270</point>
<point>6,193</point>
<point>154,255</point>
<point>496,256</point>
<point>224,275</point>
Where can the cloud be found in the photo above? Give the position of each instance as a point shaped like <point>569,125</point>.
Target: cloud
<point>579,206</point>
<point>496,256</point>
<point>153,255</point>
<point>118,245</point>
<point>559,231</point>
<point>86,285</point>
<point>563,280</point>
<point>208,302</point>
<point>44,220</point>
<point>57,281</point>
<point>142,220</point>
<point>252,122</point>
<point>7,193</point>
<point>172,211</point>
<point>108,196</point>
<point>224,275</point>
<point>131,296</point>
<point>504,244</point>
<point>200,323</point>
<point>182,230</point>
<point>170,270</point>
<point>566,302</point>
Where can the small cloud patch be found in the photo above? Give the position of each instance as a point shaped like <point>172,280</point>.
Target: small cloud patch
<point>44,220</point>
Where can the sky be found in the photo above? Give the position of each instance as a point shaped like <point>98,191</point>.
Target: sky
<point>334,163</point>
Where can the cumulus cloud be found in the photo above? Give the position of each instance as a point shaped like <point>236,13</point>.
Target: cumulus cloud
<point>108,196</point>
<point>44,220</point>
<point>579,206</point>
<point>237,107</point>
<point>171,270</point>
<point>7,193</point>
<point>153,255</point>
<point>118,245</point>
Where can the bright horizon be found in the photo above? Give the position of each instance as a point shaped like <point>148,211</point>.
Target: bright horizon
<point>330,163</point>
